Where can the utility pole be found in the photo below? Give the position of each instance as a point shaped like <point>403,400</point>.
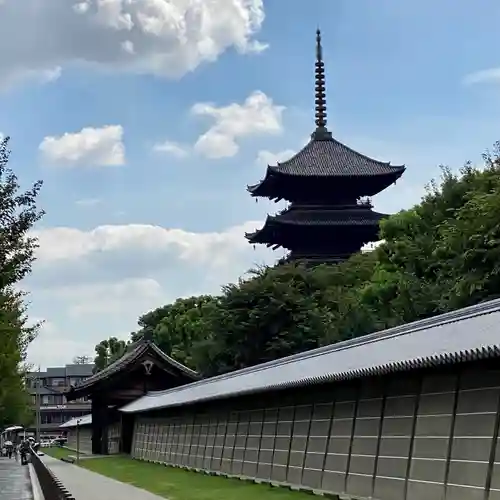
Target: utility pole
<point>37,409</point>
<point>78,441</point>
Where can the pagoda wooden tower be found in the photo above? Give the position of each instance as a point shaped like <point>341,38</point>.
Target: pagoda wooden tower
<point>326,183</point>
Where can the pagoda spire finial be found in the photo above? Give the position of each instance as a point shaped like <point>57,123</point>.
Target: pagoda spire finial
<point>321,131</point>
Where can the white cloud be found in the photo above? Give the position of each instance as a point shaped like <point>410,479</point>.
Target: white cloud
<point>256,116</point>
<point>491,75</point>
<point>91,146</point>
<point>184,262</point>
<point>54,347</point>
<point>88,202</point>
<point>122,302</point>
<point>71,244</point>
<point>92,284</point>
<point>109,298</point>
<point>172,148</point>
<point>50,75</point>
<point>167,38</point>
<point>29,75</point>
<point>265,158</point>
<point>128,47</point>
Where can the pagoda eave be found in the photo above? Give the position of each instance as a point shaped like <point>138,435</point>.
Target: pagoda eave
<point>258,238</point>
<point>280,185</point>
<point>254,189</point>
<point>275,231</point>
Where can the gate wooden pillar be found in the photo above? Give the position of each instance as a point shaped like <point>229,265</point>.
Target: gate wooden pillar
<point>99,427</point>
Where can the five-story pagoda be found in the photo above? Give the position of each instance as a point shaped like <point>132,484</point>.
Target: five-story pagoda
<point>326,184</point>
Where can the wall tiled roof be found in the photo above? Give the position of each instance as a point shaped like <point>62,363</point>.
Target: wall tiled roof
<point>467,334</point>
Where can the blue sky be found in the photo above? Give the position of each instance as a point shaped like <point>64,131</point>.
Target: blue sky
<point>129,226</point>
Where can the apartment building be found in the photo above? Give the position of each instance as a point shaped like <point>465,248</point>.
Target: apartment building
<point>49,386</point>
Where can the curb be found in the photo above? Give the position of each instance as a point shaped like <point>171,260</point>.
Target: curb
<point>35,484</point>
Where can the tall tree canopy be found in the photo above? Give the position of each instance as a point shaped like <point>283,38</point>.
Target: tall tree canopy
<point>447,246</point>
<point>108,351</point>
<point>277,312</point>
<point>441,254</point>
<point>82,360</point>
<point>18,214</point>
<point>178,327</point>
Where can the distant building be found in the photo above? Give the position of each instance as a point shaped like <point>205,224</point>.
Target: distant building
<point>54,407</point>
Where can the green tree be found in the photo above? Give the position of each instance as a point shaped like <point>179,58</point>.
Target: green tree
<point>179,326</point>
<point>176,328</point>
<point>468,246</point>
<point>14,399</point>
<point>108,351</point>
<point>280,311</point>
<point>18,215</point>
<point>441,254</point>
<point>82,360</point>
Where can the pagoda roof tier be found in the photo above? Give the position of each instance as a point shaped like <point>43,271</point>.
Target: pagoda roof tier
<point>325,169</point>
<point>318,258</point>
<point>342,219</point>
<point>323,159</point>
<point>138,352</point>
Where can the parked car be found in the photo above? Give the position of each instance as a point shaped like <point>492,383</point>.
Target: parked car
<point>59,441</point>
<point>45,443</point>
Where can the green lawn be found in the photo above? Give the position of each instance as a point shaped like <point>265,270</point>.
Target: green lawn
<point>57,452</point>
<point>179,484</point>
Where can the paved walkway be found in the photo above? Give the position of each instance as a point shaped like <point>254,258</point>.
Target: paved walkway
<point>15,482</point>
<point>87,485</point>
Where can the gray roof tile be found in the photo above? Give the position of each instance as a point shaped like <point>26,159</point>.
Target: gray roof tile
<point>330,157</point>
<point>323,159</point>
<point>83,420</point>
